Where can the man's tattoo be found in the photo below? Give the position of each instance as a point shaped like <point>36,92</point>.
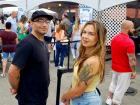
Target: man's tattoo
<point>85,73</point>
<point>134,67</point>
<point>15,84</point>
<point>132,61</point>
<point>17,78</point>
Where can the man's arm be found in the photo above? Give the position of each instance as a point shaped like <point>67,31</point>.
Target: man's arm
<point>14,77</point>
<point>132,63</point>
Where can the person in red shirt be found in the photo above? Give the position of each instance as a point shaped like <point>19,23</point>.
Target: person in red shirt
<point>8,40</point>
<point>123,63</point>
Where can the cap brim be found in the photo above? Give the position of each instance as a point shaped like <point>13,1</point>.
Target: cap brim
<point>49,17</point>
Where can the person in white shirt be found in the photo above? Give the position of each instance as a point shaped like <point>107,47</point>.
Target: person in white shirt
<point>12,20</point>
<point>50,29</point>
<point>48,37</point>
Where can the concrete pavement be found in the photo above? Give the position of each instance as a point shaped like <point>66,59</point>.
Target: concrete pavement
<point>132,99</point>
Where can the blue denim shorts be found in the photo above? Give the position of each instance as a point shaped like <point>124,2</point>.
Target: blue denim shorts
<point>5,55</point>
<point>88,98</point>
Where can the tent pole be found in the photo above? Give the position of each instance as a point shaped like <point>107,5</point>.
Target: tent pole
<point>98,11</point>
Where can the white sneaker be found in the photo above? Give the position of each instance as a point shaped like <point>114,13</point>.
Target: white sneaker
<point>62,67</point>
<point>2,75</point>
<point>108,101</point>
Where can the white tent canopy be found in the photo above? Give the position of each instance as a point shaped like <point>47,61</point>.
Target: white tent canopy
<point>96,4</point>
<point>18,3</point>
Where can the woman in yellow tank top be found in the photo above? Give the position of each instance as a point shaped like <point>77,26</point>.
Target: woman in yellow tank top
<point>89,67</point>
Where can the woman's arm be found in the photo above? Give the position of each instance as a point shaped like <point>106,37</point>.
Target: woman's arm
<point>85,78</point>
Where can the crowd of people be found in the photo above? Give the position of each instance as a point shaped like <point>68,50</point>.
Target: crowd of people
<point>28,74</point>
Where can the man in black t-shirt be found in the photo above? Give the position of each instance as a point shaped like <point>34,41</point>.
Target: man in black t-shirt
<point>29,71</point>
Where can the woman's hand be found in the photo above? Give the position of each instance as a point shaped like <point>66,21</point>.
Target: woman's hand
<point>67,102</point>
<point>65,99</point>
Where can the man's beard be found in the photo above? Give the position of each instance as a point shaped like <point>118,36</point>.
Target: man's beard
<point>130,33</point>
<point>41,33</point>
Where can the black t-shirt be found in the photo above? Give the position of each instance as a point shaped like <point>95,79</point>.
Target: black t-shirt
<point>32,58</point>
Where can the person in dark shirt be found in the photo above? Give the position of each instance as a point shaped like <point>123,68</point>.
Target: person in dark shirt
<point>68,25</point>
<point>8,40</point>
<point>29,71</point>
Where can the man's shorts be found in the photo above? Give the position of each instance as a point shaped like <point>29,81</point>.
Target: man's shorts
<point>6,55</point>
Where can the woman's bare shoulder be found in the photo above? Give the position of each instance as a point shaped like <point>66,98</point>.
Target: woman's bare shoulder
<point>93,63</point>
<point>92,60</point>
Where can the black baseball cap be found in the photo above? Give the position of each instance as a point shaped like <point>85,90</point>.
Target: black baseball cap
<point>40,13</point>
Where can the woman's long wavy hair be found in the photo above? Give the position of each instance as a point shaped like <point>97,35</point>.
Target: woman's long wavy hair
<point>77,24</point>
<point>98,49</point>
<point>60,27</point>
<point>23,19</point>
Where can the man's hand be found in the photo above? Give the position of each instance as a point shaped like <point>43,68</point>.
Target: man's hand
<point>133,75</point>
<point>13,91</point>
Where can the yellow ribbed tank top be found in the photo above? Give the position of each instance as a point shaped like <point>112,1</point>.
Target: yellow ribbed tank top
<point>91,87</point>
